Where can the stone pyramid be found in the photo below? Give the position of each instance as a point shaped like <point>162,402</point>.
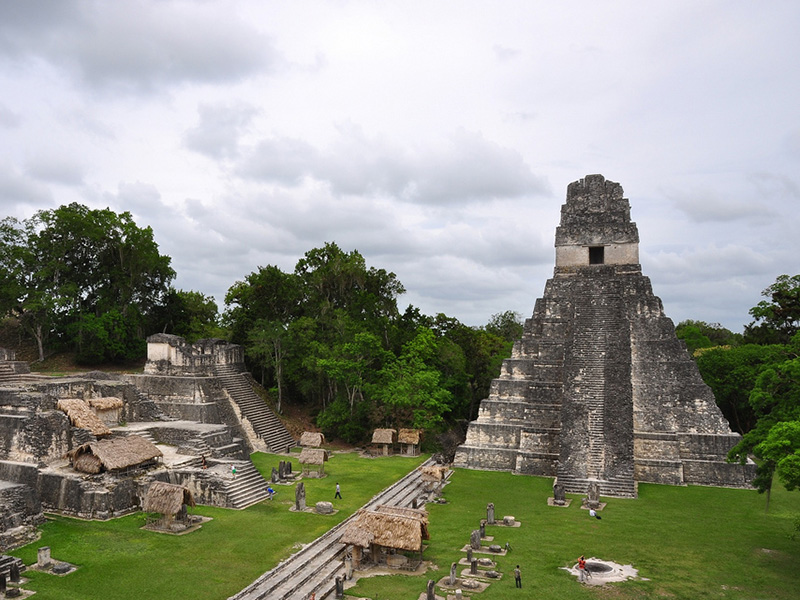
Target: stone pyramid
<point>599,389</point>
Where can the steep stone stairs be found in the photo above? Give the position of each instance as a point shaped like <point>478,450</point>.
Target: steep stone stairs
<point>263,421</point>
<point>314,568</point>
<point>594,318</point>
<point>248,488</point>
<point>6,372</point>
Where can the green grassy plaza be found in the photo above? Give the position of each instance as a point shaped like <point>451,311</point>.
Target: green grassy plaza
<point>685,542</point>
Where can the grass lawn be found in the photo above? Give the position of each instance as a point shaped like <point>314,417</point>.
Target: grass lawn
<point>687,542</point>
<point>120,561</point>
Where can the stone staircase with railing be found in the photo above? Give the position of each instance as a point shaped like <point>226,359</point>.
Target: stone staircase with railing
<point>264,422</point>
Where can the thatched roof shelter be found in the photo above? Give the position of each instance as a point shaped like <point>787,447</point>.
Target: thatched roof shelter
<point>106,403</point>
<point>383,436</point>
<point>312,456</point>
<point>408,436</point>
<point>113,454</point>
<point>433,473</point>
<point>166,498</point>
<point>388,530</point>
<point>80,415</point>
<point>412,513</point>
<point>312,439</point>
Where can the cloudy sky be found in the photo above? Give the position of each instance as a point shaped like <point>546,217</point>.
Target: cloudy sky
<point>435,137</point>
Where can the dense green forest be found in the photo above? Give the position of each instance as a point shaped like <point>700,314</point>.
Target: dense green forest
<point>329,337</point>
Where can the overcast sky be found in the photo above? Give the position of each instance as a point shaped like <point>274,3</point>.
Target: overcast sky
<point>437,138</point>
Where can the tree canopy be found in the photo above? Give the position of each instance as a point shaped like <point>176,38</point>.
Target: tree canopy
<point>88,277</point>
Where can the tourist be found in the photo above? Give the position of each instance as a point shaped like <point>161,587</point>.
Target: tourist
<point>205,464</point>
<point>270,491</point>
<point>518,577</point>
<point>593,513</point>
<point>338,492</point>
<point>582,569</point>
<point>233,471</point>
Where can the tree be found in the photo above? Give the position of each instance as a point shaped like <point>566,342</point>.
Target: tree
<point>699,334</point>
<point>781,449</point>
<point>506,325</point>
<point>731,373</point>
<point>71,262</point>
<point>777,320</point>
<point>408,388</point>
<point>775,399</point>
<point>191,315</point>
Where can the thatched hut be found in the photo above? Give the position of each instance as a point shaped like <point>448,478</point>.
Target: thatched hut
<point>409,441</point>
<point>433,477</point>
<point>107,408</point>
<point>313,461</point>
<point>82,416</point>
<point>385,439</point>
<point>388,536</point>
<point>114,454</point>
<point>170,502</point>
<point>311,439</point>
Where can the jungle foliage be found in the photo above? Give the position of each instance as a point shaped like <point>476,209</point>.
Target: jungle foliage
<point>329,336</point>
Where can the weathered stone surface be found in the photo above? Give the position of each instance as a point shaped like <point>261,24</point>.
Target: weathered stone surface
<point>599,388</point>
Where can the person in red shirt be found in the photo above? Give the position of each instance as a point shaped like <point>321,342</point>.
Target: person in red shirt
<point>581,569</point>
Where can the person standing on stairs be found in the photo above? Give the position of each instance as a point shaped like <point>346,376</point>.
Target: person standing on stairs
<point>338,492</point>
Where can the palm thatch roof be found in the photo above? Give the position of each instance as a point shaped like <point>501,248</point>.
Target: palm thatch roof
<point>387,530</point>
<point>113,453</point>
<point>383,436</point>
<point>433,473</point>
<point>166,498</point>
<point>312,456</point>
<point>312,439</point>
<point>408,436</point>
<point>414,513</point>
<point>106,403</point>
<point>80,415</point>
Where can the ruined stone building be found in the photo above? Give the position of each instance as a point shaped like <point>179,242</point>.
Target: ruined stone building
<point>90,444</point>
<point>599,389</point>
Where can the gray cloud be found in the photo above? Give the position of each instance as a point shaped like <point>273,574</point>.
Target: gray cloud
<point>219,128</point>
<point>8,118</point>
<point>52,168</point>
<point>464,168</point>
<point>16,188</point>
<point>133,45</point>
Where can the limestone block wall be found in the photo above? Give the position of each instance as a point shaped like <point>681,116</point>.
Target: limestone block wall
<point>180,397</point>
<point>172,355</point>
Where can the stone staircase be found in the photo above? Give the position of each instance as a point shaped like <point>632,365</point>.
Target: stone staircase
<point>7,561</point>
<point>264,422</point>
<point>248,488</point>
<point>314,568</point>
<point>592,349</point>
<point>7,373</point>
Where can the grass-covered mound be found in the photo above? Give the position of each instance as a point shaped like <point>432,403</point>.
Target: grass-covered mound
<point>687,542</point>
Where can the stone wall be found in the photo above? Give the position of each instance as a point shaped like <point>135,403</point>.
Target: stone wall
<point>172,355</point>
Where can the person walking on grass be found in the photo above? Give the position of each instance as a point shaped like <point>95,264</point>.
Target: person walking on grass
<point>338,492</point>
<point>518,577</point>
<point>582,569</point>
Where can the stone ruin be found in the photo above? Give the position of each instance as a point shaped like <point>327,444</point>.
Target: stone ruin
<point>194,400</point>
<point>599,389</point>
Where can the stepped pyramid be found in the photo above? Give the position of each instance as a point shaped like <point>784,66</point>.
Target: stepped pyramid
<point>599,389</point>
